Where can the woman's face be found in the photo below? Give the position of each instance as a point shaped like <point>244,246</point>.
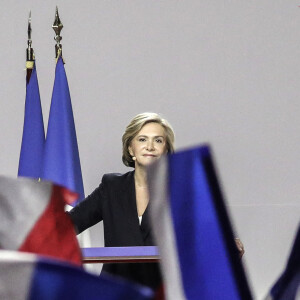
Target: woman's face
<point>149,144</point>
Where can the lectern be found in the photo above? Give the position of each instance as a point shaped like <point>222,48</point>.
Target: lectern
<point>120,254</point>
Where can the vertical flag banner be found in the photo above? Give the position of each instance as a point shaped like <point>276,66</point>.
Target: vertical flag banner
<point>32,219</point>
<point>191,226</point>
<point>61,162</point>
<point>31,155</point>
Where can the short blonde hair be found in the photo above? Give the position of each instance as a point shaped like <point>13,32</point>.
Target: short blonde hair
<point>136,125</point>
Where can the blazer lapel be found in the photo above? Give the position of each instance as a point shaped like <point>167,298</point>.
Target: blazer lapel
<point>146,227</point>
<point>141,232</point>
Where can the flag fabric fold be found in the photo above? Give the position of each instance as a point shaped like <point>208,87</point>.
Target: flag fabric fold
<point>33,139</point>
<point>25,277</point>
<point>61,163</point>
<point>192,229</point>
<point>33,219</point>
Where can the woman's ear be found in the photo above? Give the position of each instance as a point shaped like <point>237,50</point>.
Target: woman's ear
<point>130,150</point>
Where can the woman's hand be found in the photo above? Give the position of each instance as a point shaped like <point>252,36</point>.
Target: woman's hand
<point>240,247</point>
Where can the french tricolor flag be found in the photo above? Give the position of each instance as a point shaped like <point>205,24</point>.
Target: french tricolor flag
<point>33,219</point>
<point>29,277</point>
<point>192,229</point>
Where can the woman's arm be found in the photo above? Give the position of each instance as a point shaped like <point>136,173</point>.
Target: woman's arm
<point>89,211</point>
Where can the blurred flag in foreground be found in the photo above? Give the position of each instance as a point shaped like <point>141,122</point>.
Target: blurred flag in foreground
<point>31,155</point>
<point>288,285</point>
<point>24,276</point>
<point>61,162</point>
<point>199,256</point>
<point>32,219</point>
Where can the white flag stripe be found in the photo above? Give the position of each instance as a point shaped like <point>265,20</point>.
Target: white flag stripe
<point>7,256</point>
<point>161,218</point>
<point>22,201</point>
<point>15,267</point>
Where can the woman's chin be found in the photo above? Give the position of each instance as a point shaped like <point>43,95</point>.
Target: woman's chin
<point>148,162</point>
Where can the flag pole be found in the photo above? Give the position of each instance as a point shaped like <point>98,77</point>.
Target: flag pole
<point>57,27</point>
<point>29,51</point>
<point>29,55</point>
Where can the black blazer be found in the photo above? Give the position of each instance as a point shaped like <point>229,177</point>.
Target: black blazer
<point>114,202</point>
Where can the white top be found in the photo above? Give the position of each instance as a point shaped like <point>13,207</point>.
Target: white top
<point>140,220</point>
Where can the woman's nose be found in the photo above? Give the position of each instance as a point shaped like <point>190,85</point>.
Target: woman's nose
<point>150,145</point>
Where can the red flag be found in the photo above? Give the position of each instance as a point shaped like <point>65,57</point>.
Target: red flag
<point>32,219</point>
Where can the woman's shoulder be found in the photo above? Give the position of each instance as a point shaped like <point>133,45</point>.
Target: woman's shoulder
<point>117,177</point>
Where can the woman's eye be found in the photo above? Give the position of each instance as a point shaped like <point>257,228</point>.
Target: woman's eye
<point>142,139</point>
<point>159,141</point>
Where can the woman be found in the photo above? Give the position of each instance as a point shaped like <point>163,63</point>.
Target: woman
<point>121,201</point>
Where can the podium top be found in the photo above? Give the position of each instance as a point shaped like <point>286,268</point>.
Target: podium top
<point>120,254</point>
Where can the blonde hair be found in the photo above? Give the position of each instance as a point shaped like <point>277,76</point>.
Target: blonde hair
<point>136,125</point>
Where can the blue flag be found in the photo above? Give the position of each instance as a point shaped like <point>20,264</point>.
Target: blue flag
<point>31,155</point>
<point>61,163</point>
<point>191,226</point>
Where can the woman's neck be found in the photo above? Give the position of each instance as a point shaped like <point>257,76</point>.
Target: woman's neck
<point>141,190</point>
<point>140,177</point>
